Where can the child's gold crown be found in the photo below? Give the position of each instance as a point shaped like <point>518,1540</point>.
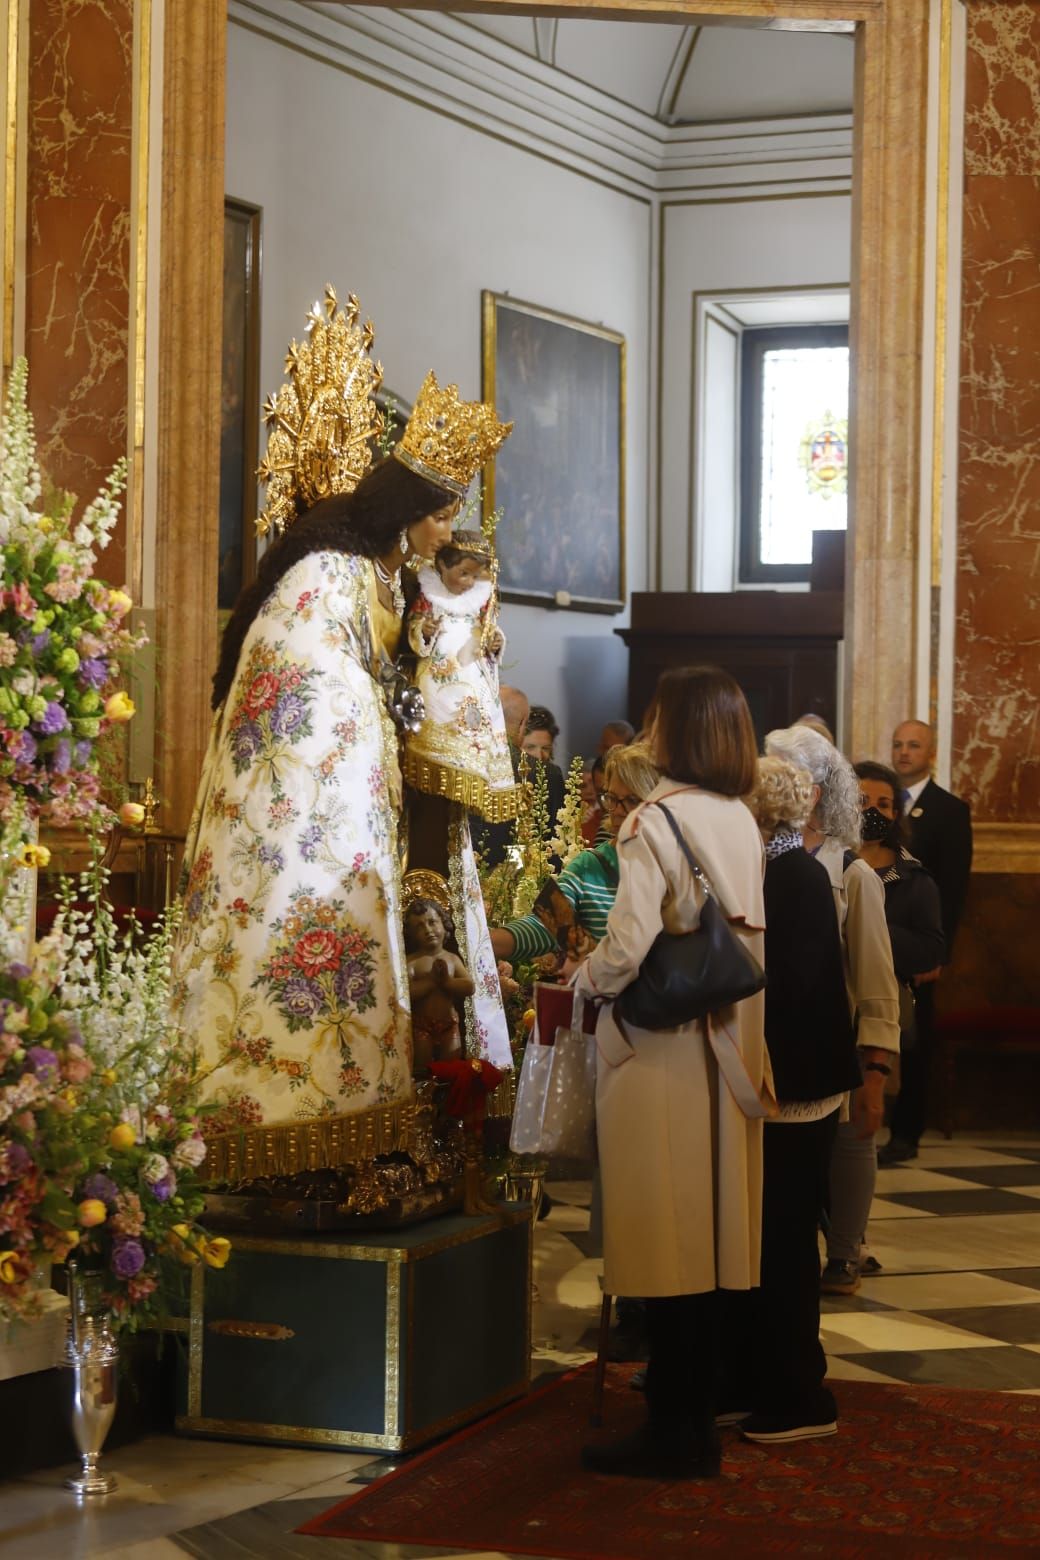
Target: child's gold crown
<point>448,440</point>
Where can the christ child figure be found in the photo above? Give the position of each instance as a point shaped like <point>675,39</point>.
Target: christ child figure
<point>436,977</point>
<point>461,751</point>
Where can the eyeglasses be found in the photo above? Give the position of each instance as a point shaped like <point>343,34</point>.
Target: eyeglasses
<point>611,803</point>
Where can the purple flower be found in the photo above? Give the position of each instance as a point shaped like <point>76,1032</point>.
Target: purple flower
<point>24,749</point>
<point>309,841</point>
<point>271,856</point>
<point>164,1189</point>
<point>40,642</point>
<point>61,757</point>
<point>18,971</point>
<point>193,905</point>
<point>301,996</point>
<point>289,713</point>
<point>351,983</point>
<point>53,720</point>
<point>245,741</point>
<point>14,1161</point>
<point>127,1257</point>
<point>93,672</point>
<point>81,754</point>
<point>44,1062</point>
<point>102,1187</point>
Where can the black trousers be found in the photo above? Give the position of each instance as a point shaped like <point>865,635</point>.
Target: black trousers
<point>683,1331</point>
<point>910,1109</point>
<point>774,1362</point>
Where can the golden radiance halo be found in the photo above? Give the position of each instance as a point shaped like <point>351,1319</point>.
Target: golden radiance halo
<point>324,420</point>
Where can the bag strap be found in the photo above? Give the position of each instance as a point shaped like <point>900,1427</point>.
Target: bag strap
<point>695,867</point>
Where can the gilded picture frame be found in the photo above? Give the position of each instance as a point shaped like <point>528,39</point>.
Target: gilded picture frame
<point>560,478</point>
<point>239,401</point>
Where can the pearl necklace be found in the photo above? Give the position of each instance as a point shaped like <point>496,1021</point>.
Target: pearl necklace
<point>382,573</point>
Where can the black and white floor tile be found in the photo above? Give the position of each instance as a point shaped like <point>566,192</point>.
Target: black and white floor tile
<point>957,1303</point>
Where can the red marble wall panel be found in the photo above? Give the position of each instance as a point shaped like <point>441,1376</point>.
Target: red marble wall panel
<point>79,233</point>
<point>996,723</point>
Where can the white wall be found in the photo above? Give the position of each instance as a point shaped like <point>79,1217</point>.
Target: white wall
<point>710,245</point>
<point>416,213</point>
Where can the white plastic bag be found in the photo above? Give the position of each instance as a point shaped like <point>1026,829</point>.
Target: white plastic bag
<point>555,1110</point>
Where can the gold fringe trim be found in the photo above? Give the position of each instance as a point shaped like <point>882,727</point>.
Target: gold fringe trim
<point>298,1146</point>
<point>470,791</point>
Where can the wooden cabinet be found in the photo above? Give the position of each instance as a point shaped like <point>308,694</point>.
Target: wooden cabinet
<point>781,646</point>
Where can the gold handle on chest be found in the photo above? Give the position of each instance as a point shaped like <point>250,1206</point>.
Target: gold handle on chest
<point>271,1332</point>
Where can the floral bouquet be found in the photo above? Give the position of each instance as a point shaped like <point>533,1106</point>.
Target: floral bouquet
<point>100,1136</point>
<point>62,631</point>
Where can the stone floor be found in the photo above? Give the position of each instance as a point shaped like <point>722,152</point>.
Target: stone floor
<point>958,1303</point>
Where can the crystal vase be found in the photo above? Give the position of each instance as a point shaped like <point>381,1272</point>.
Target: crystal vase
<point>93,1353</point>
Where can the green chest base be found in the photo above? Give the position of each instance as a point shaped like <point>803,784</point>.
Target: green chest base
<point>381,1343</point>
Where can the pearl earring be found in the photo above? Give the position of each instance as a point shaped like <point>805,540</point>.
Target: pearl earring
<point>404,543</point>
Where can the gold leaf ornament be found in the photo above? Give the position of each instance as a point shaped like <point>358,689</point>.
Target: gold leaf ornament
<point>323,422</point>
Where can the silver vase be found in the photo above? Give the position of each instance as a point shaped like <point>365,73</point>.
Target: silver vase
<point>93,1352</point>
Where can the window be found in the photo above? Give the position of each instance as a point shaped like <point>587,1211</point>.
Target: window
<point>793,446</point>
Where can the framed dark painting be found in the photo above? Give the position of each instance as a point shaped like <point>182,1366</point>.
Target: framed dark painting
<point>560,478</point>
<point>239,401</point>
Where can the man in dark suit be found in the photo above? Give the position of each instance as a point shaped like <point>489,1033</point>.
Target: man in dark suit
<point>940,838</point>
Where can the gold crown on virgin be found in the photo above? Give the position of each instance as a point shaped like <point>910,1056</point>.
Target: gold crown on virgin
<point>447,440</point>
<point>324,422</point>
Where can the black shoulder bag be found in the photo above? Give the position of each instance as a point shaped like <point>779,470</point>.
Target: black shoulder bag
<point>686,975</point>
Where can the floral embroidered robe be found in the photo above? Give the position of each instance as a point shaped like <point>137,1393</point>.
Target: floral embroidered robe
<point>289,966</point>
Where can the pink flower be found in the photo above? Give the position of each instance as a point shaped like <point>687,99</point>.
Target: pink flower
<point>77,1066</point>
<point>20,598</point>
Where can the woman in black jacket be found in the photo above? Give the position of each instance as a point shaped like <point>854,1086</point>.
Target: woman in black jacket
<point>775,1362</point>
<point>912,906</point>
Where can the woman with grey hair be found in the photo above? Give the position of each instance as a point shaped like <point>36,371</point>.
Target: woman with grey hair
<point>832,834</point>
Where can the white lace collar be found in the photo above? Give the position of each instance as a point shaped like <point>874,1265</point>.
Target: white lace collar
<point>471,601</point>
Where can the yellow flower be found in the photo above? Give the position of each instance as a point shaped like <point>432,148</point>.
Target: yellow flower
<point>119,707</point>
<point>91,1211</point>
<point>10,1268</point>
<point>45,524</point>
<point>119,602</point>
<point>108,1076</point>
<point>180,1243</point>
<point>122,1136</point>
<point>33,856</point>
<point>131,815</point>
<point>215,1252</point>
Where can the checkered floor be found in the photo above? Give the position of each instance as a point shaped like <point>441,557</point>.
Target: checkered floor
<point>957,1303</point>
<point>957,1231</point>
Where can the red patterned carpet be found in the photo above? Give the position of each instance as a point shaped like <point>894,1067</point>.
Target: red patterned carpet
<point>914,1471</point>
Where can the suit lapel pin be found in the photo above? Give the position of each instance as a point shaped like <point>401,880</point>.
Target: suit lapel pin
<point>917,812</point>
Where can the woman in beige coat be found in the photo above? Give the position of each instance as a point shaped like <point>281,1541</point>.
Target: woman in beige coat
<point>679,1112</point>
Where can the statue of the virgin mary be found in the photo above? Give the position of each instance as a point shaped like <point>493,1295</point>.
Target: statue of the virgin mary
<point>289,963</point>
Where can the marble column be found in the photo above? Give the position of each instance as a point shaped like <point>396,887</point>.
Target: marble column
<point>996,731</point>
<point>996,736</point>
<point>78,226</point>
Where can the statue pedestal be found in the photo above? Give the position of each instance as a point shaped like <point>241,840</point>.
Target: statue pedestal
<point>382,1342</point>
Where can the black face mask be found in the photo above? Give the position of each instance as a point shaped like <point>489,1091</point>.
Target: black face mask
<point>876,828</point>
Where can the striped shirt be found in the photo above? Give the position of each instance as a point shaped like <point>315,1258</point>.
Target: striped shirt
<point>590,882</point>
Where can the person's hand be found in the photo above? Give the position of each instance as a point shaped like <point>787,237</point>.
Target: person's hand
<point>867,1109</point>
<point>928,976</point>
<point>439,970</point>
<point>496,641</point>
<point>508,986</point>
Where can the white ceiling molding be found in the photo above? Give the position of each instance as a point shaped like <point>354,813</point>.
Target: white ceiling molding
<point>676,74</point>
<point>545,38</point>
<point>438,60</point>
